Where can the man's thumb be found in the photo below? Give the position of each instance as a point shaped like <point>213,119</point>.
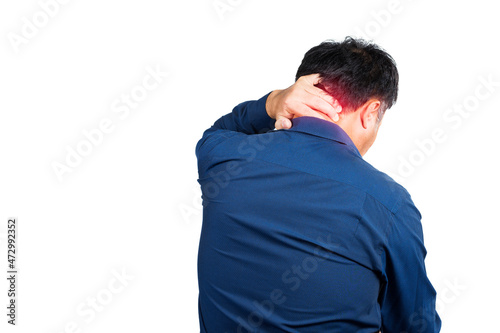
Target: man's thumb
<point>283,123</point>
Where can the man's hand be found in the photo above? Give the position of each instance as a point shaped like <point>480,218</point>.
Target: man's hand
<point>302,99</point>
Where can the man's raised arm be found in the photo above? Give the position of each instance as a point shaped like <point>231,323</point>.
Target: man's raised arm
<point>275,109</point>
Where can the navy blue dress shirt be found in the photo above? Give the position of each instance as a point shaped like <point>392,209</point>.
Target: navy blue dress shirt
<point>300,234</point>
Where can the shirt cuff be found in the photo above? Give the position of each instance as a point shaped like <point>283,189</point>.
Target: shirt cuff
<point>259,118</point>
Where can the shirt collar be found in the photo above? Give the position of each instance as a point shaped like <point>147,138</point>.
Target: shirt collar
<point>324,129</point>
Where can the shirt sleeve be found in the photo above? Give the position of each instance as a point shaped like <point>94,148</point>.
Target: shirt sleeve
<point>409,299</point>
<point>247,118</point>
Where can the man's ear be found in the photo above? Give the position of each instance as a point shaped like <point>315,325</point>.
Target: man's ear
<point>369,113</point>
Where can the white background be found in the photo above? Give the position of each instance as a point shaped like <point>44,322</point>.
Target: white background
<point>132,204</point>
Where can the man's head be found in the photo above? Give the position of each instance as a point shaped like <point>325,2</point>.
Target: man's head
<point>364,80</point>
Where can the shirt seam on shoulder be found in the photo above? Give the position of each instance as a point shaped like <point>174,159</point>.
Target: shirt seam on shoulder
<point>351,185</point>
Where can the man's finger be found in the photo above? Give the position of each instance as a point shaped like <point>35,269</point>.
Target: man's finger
<point>307,111</point>
<point>322,94</point>
<point>319,92</point>
<point>283,123</point>
<point>319,104</point>
<point>312,79</point>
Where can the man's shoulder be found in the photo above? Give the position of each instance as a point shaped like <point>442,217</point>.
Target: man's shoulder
<point>381,186</point>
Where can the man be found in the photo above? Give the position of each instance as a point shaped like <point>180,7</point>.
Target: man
<point>300,234</point>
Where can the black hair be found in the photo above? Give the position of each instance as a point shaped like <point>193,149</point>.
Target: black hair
<point>353,72</point>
